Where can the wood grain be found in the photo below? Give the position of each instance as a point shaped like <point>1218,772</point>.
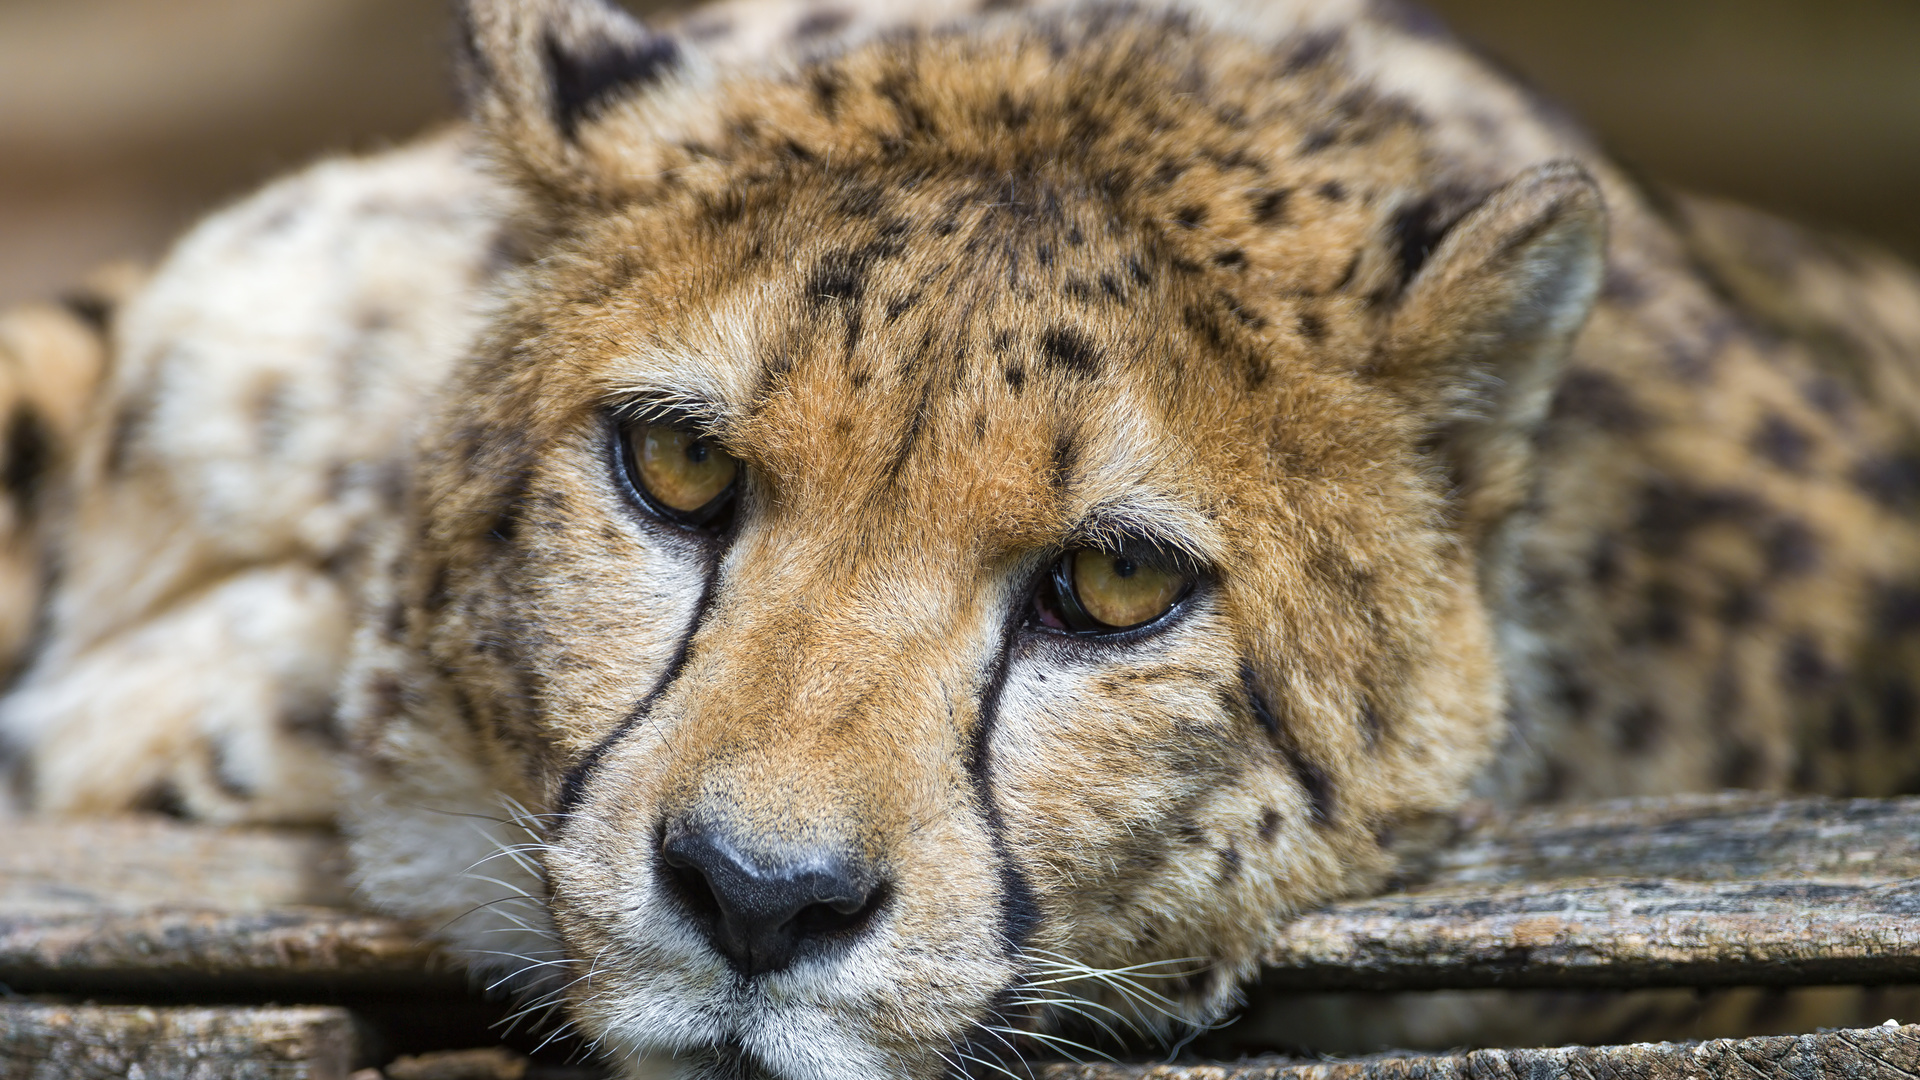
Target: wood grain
<point>1882,1053</point>
<point>93,1042</point>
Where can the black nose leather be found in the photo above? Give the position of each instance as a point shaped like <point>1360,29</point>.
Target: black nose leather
<point>761,912</point>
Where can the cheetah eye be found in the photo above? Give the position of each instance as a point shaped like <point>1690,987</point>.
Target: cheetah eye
<point>681,475</point>
<point>1095,592</point>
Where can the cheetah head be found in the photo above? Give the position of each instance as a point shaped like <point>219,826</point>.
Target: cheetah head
<point>947,538</point>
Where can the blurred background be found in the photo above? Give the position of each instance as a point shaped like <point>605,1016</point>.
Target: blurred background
<point>121,120</point>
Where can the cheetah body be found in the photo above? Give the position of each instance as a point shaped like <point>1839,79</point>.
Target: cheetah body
<point>1494,473</point>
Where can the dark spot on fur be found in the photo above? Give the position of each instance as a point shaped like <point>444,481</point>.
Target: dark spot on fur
<point>1738,766</point>
<point>1066,451</point>
<point>1269,824</point>
<point>910,438</point>
<point>1069,351</point>
<point>94,310</point>
<point>1896,708</point>
<point>1804,667</point>
<point>820,23</point>
<point>840,275</point>
<point>130,421</point>
<point>861,200</point>
<point>1319,139</point>
<point>900,305</point>
<point>1111,288</point>
<point>1692,356</point>
<point>1416,229</point>
<point>1621,287</point>
<point>1270,207</point>
<point>1311,50</point>
<point>1333,191</point>
<point>1897,609</point>
<point>1791,548</point>
<point>1741,606</point>
<point>1670,512</point>
<point>1893,480</point>
<point>1138,271</point>
<point>29,454</point>
<point>583,81</point>
<point>1371,723</point>
<point>826,86</point>
<point>1207,325</point>
<point>1782,442</point>
<point>387,696</point>
<point>1242,314</point>
<point>162,798</point>
<point>1637,727</point>
<point>1231,259</point>
<point>1569,688</point>
<point>1666,613</point>
<point>437,590</point>
<point>1016,377</point>
<point>1346,276</point>
<point>1229,864</point>
<point>1312,327</point>
<point>1829,395</point>
<point>1317,784</point>
<point>1598,399</point>
<point>1191,216</point>
<point>1843,733</point>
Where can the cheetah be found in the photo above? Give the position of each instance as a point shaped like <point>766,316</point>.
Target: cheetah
<point>823,542</point>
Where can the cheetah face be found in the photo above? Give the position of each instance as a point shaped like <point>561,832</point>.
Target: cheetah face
<point>926,589</point>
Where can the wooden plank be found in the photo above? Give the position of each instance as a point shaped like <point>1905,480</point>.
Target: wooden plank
<point>1691,891</point>
<point>310,950</point>
<point>151,904</point>
<point>1883,1053</point>
<point>143,864</point>
<point>1606,934</point>
<point>1727,837</point>
<point>93,1042</point>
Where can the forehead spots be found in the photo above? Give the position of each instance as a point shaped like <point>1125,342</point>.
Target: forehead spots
<point>1069,351</point>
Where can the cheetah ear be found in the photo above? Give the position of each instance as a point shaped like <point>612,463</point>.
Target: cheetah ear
<point>1483,332</point>
<point>537,74</point>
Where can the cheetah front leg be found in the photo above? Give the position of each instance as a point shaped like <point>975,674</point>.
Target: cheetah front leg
<point>219,708</point>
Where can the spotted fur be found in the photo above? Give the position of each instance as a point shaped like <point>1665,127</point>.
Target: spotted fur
<point>1497,472</point>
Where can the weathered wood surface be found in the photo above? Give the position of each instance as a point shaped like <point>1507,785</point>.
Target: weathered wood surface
<point>90,1042</point>
<point>137,904</point>
<point>1705,890</point>
<point>1884,1053</point>
<point>1690,891</point>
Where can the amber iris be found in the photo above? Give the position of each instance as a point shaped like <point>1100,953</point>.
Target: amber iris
<point>682,471</point>
<point>1120,592</point>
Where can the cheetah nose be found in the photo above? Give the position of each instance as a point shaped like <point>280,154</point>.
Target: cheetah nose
<point>761,912</point>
